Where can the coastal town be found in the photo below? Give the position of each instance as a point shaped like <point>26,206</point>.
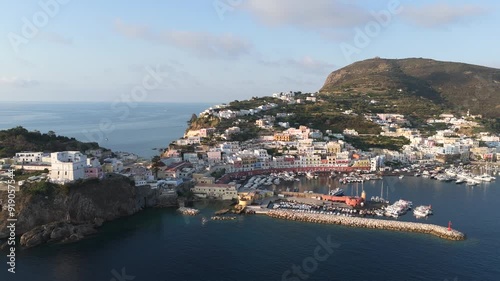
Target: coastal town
<point>211,164</point>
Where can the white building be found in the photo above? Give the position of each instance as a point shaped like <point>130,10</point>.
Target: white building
<point>189,141</point>
<point>28,157</point>
<point>350,132</point>
<point>67,166</point>
<point>218,191</point>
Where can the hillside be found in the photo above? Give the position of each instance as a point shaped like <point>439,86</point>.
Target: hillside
<point>454,86</point>
<point>20,139</point>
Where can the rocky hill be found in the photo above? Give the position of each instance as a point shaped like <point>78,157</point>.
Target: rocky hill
<point>49,213</point>
<point>20,139</point>
<point>456,86</point>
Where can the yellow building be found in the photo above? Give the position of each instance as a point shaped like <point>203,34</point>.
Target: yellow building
<point>362,163</point>
<point>333,147</point>
<point>282,137</point>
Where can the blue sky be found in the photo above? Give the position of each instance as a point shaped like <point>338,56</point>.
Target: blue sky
<point>214,51</point>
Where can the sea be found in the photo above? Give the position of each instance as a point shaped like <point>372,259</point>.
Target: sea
<point>160,244</point>
<point>140,128</point>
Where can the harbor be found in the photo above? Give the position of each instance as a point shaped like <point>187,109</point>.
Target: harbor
<point>313,217</point>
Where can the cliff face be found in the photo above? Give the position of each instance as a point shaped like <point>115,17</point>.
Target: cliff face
<point>456,85</point>
<point>86,205</point>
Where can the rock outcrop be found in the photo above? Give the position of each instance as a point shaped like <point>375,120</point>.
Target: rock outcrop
<point>69,216</point>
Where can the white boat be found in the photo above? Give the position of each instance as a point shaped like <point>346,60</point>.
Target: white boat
<point>422,211</point>
<point>484,177</point>
<point>379,213</point>
<point>401,176</point>
<point>459,181</point>
<point>471,182</point>
<point>399,208</point>
<point>337,192</point>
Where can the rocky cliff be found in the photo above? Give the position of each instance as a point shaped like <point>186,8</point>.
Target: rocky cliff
<point>76,210</point>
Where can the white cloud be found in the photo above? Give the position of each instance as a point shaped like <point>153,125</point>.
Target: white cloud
<point>18,82</point>
<point>308,14</point>
<point>202,44</point>
<point>441,14</point>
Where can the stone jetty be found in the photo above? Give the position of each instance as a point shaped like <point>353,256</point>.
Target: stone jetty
<point>222,218</point>
<point>433,229</point>
<point>188,211</point>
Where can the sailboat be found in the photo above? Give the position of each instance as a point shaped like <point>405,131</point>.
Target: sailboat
<point>381,198</point>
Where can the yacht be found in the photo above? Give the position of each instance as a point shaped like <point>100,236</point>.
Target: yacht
<point>459,181</point>
<point>337,192</point>
<point>422,211</point>
<point>399,208</point>
<point>401,176</point>
<point>472,182</point>
<point>484,177</point>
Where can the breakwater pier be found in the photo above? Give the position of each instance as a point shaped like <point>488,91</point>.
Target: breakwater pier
<point>432,229</point>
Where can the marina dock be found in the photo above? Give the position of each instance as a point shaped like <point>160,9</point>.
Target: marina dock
<point>432,229</point>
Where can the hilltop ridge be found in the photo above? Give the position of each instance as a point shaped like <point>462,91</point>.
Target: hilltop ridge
<point>458,86</point>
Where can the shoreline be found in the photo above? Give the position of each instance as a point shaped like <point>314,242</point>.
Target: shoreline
<point>439,231</point>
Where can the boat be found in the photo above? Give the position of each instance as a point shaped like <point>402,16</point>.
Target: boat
<point>484,177</point>
<point>337,192</point>
<point>422,211</point>
<point>471,182</point>
<point>401,176</point>
<point>459,181</point>
<point>443,177</point>
<point>399,208</point>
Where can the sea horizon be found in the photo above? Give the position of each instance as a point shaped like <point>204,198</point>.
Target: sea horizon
<point>147,126</point>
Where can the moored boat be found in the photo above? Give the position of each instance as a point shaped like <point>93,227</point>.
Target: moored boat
<point>422,211</point>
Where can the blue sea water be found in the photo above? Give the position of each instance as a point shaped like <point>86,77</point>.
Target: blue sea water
<point>138,128</point>
<point>159,244</point>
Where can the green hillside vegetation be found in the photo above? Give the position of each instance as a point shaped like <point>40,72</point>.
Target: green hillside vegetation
<point>20,139</point>
<point>367,142</point>
<point>454,86</point>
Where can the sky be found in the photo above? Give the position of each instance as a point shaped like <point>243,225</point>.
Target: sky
<point>222,50</point>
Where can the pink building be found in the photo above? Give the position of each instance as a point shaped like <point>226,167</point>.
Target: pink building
<point>93,172</point>
<point>214,156</point>
<point>206,132</point>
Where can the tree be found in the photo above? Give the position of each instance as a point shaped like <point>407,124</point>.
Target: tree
<point>156,165</point>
